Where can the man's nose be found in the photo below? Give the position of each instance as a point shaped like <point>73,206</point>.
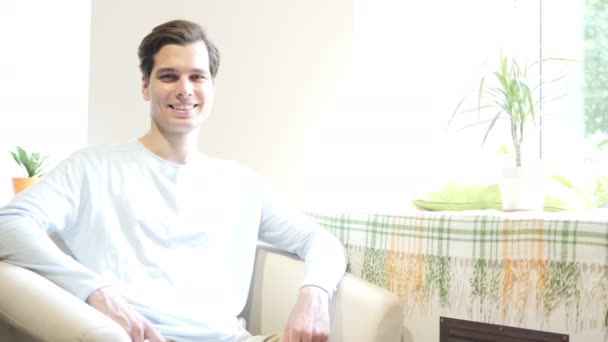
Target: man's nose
<point>184,88</point>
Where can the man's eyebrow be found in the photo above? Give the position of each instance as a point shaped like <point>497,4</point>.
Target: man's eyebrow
<point>195,70</point>
<point>161,70</point>
<point>200,71</point>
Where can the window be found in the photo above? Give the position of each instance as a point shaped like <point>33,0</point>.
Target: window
<point>577,128</point>
<point>414,61</point>
<point>44,89</point>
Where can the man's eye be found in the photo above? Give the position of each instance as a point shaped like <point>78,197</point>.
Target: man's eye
<point>199,77</point>
<point>167,77</point>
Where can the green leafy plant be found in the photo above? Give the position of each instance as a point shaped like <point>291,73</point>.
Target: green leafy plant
<point>31,162</point>
<point>509,97</point>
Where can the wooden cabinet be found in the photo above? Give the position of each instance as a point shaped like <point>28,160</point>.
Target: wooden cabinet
<point>458,330</point>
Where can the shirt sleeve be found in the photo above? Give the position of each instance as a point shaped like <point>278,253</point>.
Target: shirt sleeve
<point>47,206</point>
<point>292,231</point>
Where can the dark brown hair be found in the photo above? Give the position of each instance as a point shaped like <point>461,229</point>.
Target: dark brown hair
<point>180,32</point>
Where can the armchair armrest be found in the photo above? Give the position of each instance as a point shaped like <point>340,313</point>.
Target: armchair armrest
<point>359,311</point>
<point>34,309</point>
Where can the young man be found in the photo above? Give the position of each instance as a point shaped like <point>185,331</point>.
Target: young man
<point>163,238</point>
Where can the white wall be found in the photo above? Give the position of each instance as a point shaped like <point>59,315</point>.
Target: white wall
<point>45,62</point>
<point>283,66</point>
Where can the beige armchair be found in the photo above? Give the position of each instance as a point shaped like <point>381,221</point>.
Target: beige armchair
<point>34,309</point>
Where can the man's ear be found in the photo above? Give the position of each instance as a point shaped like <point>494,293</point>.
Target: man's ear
<point>145,82</point>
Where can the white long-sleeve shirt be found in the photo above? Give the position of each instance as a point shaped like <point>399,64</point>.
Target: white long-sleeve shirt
<point>178,241</point>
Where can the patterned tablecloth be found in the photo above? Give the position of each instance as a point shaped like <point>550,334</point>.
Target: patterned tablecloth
<point>498,265</point>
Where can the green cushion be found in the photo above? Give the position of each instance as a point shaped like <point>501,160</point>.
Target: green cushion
<point>562,194</point>
<point>460,196</point>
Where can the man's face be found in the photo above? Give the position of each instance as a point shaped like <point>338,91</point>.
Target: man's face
<point>180,88</point>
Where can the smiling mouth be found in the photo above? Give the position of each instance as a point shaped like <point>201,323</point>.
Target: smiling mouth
<point>183,106</point>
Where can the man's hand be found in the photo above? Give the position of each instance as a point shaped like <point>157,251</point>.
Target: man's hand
<point>309,318</point>
<point>113,305</point>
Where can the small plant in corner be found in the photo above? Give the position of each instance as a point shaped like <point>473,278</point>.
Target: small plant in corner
<point>31,162</point>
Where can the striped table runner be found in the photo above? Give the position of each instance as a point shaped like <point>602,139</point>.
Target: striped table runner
<point>499,265</point>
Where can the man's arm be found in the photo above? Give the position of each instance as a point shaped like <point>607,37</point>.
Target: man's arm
<point>48,206</point>
<point>24,244</point>
<point>325,265</point>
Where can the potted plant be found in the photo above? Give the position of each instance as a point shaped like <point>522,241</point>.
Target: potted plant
<point>32,164</point>
<point>510,96</point>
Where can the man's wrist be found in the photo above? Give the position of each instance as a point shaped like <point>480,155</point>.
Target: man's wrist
<point>315,289</point>
<point>95,294</point>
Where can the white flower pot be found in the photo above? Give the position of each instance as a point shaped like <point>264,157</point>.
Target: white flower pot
<point>523,188</point>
